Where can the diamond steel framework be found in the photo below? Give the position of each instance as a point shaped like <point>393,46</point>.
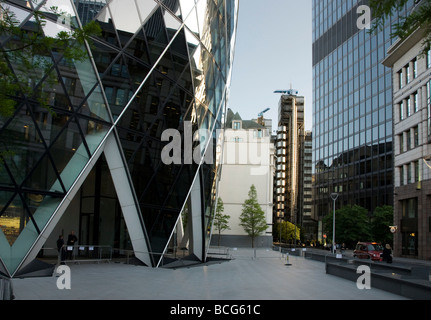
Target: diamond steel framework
<point>157,65</point>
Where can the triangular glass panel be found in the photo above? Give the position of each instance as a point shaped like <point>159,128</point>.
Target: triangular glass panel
<point>30,68</point>
<point>104,56</point>
<point>70,155</point>
<point>109,32</point>
<point>137,48</point>
<point>186,9</point>
<point>126,19</point>
<point>172,24</point>
<point>41,207</point>
<point>145,9</point>
<point>155,33</point>
<point>94,132</point>
<point>44,178</point>
<point>13,220</point>
<point>21,145</point>
<point>88,10</point>
<point>95,106</point>
<point>174,7</point>
<point>191,19</point>
<point>19,15</point>
<point>128,74</point>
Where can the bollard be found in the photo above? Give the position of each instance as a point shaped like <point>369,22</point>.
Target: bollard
<point>287,260</point>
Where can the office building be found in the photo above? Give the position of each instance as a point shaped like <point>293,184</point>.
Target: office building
<point>97,159</point>
<point>248,159</point>
<point>352,109</point>
<point>411,72</point>
<point>292,181</point>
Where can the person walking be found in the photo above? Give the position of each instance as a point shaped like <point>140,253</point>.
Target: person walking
<point>72,240</point>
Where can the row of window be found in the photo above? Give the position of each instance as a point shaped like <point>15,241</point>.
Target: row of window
<point>409,173</point>
<point>408,106</point>
<point>406,141</point>
<point>410,71</point>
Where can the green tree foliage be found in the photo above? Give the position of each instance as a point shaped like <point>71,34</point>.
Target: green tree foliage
<point>383,217</point>
<point>382,10</point>
<point>287,231</point>
<point>252,218</point>
<point>352,224</point>
<point>221,220</point>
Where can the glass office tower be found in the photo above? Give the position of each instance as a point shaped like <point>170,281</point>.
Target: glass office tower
<point>352,108</point>
<point>92,157</point>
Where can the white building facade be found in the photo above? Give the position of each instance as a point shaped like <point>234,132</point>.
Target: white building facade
<point>248,159</point>
<point>411,70</point>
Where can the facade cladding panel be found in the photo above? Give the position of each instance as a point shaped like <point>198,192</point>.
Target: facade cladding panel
<point>352,110</point>
<point>158,65</point>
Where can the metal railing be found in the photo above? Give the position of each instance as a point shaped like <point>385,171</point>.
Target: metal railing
<point>81,253</point>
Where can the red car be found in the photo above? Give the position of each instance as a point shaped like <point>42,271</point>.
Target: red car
<point>367,250</point>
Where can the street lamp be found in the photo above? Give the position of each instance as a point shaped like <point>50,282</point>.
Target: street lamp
<point>334,197</point>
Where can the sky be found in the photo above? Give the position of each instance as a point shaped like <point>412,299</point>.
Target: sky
<point>273,52</point>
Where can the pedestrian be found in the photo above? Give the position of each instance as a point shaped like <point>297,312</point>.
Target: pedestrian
<point>72,240</point>
<point>60,248</point>
<point>343,248</point>
<point>387,253</point>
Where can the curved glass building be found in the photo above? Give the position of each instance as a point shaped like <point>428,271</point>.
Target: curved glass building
<point>93,158</point>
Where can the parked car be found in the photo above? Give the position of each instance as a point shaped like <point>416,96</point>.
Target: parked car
<point>368,250</point>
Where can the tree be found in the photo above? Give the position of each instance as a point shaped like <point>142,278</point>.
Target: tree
<point>252,218</point>
<point>220,219</point>
<point>287,231</point>
<point>383,217</point>
<point>420,17</point>
<point>351,225</point>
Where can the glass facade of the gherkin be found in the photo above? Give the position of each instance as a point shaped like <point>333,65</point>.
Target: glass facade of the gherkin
<point>91,159</point>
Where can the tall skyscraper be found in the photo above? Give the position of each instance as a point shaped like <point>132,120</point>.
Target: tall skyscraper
<point>292,182</point>
<point>352,108</point>
<point>93,161</point>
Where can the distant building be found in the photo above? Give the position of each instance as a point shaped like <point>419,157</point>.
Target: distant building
<point>308,220</point>
<point>248,159</point>
<point>411,72</point>
<point>293,172</point>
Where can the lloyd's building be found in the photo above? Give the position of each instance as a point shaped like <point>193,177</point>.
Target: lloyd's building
<point>91,161</point>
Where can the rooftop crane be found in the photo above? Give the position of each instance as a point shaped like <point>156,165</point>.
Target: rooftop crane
<point>260,117</point>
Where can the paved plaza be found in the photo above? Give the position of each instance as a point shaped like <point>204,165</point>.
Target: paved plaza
<point>249,275</point>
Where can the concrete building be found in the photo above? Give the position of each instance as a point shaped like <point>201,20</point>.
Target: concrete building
<point>411,73</point>
<point>248,159</point>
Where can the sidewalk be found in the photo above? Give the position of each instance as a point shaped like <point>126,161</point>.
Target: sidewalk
<point>264,276</point>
